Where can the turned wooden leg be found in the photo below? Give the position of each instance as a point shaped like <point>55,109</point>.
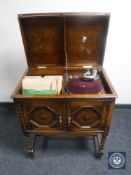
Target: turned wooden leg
<point>30,141</point>
<point>101,145</point>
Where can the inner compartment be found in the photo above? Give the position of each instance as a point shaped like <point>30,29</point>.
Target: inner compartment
<point>68,76</point>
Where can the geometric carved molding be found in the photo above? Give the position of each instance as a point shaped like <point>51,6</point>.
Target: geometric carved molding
<point>86,117</point>
<point>43,116</point>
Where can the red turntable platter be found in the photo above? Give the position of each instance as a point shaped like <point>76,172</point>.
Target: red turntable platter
<point>80,86</point>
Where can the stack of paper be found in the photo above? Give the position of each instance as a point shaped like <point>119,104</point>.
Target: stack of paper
<point>42,85</point>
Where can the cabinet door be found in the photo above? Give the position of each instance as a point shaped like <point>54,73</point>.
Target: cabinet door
<point>86,115</point>
<point>42,115</point>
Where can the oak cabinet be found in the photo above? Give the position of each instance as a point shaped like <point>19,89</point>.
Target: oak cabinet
<point>65,44</point>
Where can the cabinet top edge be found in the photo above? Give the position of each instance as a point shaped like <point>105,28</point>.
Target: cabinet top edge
<point>64,14</point>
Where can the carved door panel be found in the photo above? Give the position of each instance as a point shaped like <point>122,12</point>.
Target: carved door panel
<point>86,115</point>
<point>44,115</point>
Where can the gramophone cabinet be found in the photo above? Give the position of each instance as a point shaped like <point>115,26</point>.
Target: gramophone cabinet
<point>65,44</point>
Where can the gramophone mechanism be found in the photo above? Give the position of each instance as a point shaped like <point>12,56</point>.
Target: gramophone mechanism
<point>90,75</point>
<point>87,82</point>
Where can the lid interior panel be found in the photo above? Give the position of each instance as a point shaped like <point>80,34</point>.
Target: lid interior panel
<point>54,40</point>
<point>85,37</point>
<point>44,40</point>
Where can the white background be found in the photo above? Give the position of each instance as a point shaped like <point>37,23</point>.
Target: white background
<point>118,51</point>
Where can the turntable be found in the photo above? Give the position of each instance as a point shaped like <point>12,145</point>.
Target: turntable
<point>88,84</point>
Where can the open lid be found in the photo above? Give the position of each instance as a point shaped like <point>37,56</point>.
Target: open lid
<point>50,39</point>
<point>43,39</point>
<point>86,38</point>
